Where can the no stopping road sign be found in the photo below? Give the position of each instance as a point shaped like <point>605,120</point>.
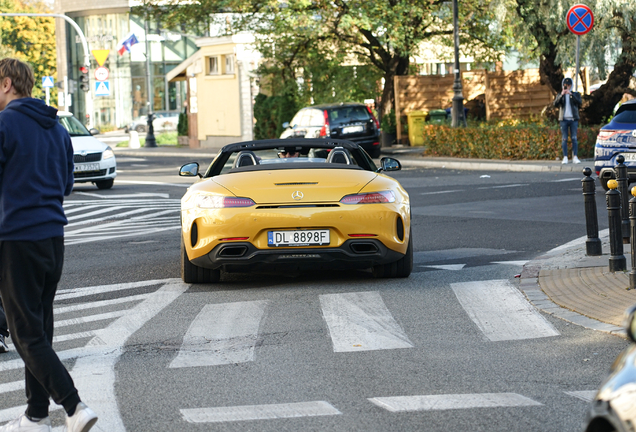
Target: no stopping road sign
<point>580,19</point>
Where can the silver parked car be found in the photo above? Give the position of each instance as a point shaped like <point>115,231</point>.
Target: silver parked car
<point>163,122</point>
<point>614,406</point>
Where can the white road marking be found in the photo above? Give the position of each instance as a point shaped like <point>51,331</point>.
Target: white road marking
<point>90,318</point>
<point>505,186</point>
<point>501,312</point>
<point>585,395</point>
<point>441,192</point>
<point>94,373</point>
<point>11,386</point>
<point>452,401</point>
<point>15,412</point>
<point>97,304</point>
<point>259,412</point>
<point>66,337</point>
<point>517,263</point>
<point>221,334</point>
<point>131,196</point>
<point>139,182</point>
<point>65,294</point>
<point>565,180</point>
<point>361,322</point>
<point>446,266</point>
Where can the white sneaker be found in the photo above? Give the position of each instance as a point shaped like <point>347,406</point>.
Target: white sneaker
<point>23,424</point>
<point>565,160</point>
<point>576,160</point>
<point>82,420</point>
<point>3,345</point>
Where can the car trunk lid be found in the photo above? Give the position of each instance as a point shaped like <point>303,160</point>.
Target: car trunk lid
<point>297,186</point>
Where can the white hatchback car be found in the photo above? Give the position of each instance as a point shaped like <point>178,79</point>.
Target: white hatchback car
<point>94,160</point>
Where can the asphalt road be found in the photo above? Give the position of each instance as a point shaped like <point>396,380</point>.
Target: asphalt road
<point>437,362</point>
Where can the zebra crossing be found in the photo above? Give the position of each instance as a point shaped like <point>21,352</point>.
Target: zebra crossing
<point>227,333</point>
<point>118,216</point>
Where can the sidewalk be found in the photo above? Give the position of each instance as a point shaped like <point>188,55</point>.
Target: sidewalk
<point>563,282</point>
<point>566,283</point>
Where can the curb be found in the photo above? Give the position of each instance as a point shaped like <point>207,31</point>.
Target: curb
<point>529,285</point>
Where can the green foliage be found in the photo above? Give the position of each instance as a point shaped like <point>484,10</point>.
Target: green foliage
<point>30,39</point>
<point>182,126</point>
<point>513,140</point>
<point>271,112</point>
<point>389,124</point>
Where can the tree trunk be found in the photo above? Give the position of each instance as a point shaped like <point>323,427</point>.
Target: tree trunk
<point>396,66</point>
<point>599,106</point>
<point>550,71</point>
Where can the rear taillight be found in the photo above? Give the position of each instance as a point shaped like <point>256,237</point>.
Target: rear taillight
<point>324,131</point>
<point>216,202</point>
<point>375,120</point>
<point>607,134</point>
<point>369,198</point>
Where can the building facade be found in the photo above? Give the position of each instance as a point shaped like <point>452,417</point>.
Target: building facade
<point>123,96</point>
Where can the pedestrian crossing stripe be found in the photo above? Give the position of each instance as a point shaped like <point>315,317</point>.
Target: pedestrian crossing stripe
<point>47,81</point>
<point>102,88</point>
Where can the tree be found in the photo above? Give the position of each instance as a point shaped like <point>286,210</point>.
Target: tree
<point>381,33</point>
<point>30,39</point>
<point>543,33</point>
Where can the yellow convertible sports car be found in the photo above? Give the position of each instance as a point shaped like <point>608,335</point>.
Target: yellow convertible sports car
<point>294,204</point>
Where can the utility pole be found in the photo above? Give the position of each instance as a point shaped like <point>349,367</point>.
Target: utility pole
<point>150,130</point>
<point>457,113</point>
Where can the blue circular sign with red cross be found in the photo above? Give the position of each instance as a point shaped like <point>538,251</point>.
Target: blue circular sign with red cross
<point>580,19</point>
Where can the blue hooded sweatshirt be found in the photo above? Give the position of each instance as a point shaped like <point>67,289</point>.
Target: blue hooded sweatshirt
<point>36,171</point>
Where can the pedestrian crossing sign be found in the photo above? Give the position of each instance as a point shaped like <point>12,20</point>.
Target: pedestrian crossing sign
<point>47,82</point>
<point>102,88</point>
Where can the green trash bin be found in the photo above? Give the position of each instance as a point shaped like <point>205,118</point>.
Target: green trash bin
<point>438,116</point>
<point>416,122</point>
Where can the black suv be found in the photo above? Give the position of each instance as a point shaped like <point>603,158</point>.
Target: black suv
<point>349,121</point>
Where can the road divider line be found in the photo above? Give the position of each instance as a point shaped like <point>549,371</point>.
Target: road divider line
<point>361,322</point>
<point>221,334</point>
<point>501,312</point>
<point>452,401</point>
<point>259,412</point>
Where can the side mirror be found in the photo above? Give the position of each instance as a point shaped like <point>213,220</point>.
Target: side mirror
<point>94,131</point>
<point>630,323</point>
<point>190,170</point>
<point>285,125</point>
<point>389,164</point>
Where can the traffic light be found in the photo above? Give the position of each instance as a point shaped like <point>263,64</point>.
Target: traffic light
<point>83,79</point>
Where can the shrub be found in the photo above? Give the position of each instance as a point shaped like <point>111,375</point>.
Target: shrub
<point>182,126</point>
<point>510,139</point>
<point>271,112</point>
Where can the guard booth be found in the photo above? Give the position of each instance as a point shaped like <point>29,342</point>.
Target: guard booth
<point>219,90</point>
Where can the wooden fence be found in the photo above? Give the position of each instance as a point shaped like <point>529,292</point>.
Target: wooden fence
<point>505,94</point>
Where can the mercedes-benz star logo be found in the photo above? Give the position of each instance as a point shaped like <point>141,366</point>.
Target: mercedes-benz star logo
<point>297,195</point>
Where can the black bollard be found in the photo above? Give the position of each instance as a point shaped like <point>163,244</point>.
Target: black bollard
<point>593,245</point>
<point>632,224</point>
<point>613,197</point>
<point>623,185</point>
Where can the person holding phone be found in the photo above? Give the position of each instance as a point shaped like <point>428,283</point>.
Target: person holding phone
<point>568,102</point>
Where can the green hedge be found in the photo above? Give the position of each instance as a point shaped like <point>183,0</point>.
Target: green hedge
<point>514,140</point>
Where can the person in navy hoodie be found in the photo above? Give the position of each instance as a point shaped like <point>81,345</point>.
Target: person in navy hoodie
<point>36,172</point>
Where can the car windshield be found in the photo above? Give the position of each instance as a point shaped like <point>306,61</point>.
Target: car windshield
<point>627,116</point>
<point>73,126</point>
<point>351,114</point>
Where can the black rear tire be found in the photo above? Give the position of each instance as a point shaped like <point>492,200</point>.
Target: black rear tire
<point>193,274</point>
<point>105,184</point>
<point>401,268</point>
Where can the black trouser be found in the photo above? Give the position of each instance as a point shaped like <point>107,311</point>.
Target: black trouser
<point>4,330</point>
<point>29,273</point>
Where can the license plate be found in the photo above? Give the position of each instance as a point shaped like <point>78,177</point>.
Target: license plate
<point>352,129</point>
<point>298,238</point>
<point>86,167</point>
<point>629,156</point>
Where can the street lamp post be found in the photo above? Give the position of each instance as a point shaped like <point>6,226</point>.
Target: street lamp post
<point>457,113</point>
<point>150,135</point>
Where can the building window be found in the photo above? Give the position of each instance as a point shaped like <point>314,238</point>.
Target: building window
<point>229,64</point>
<point>213,65</point>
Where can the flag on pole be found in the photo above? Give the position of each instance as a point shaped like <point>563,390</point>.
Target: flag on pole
<point>126,43</point>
